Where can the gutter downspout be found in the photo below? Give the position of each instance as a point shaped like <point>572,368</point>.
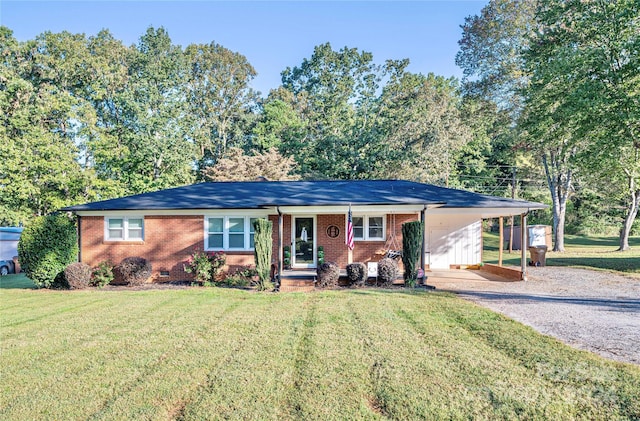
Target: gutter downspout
<point>79,238</point>
<point>280,253</point>
<point>423,218</point>
<point>523,246</point>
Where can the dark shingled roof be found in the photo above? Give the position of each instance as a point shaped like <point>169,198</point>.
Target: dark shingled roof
<point>261,194</point>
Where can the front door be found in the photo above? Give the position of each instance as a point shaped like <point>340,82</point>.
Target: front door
<point>304,243</point>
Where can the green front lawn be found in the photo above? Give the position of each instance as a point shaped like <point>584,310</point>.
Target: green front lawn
<point>209,353</point>
<point>591,253</point>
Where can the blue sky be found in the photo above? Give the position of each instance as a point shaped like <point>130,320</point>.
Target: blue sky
<point>272,35</point>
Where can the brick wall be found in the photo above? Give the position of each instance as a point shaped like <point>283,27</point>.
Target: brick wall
<point>170,240</point>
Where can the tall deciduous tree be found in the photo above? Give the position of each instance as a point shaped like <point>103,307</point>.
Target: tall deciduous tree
<point>219,98</point>
<point>334,93</point>
<point>584,92</point>
<point>423,128</point>
<point>159,154</point>
<point>43,116</point>
<point>491,50</point>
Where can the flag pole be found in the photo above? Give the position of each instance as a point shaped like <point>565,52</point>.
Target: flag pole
<point>349,237</point>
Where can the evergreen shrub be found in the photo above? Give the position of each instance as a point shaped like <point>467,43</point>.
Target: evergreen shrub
<point>47,245</point>
<point>102,275</point>
<point>263,249</point>
<point>412,235</point>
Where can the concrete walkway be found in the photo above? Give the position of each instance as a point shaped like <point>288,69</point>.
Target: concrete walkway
<point>590,310</point>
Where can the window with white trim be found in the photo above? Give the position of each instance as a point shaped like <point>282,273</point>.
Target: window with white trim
<point>369,227</point>
<point>229,233</point>
<point>126,228</point>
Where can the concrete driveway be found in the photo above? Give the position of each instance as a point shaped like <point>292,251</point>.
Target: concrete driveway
<point>590,310</point>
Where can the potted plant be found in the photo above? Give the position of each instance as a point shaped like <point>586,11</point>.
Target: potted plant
<point>287,257</point>
<point>320,255</point>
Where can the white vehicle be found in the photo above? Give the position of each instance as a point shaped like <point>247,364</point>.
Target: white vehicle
<point>9,237</point>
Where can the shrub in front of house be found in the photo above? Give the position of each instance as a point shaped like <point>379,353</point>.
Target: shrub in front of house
<point>388,271</point>
<point>356,273</point>
<point>328,274</point>
<point>412,236</point>
<point>263,249</point>
<point>205,266</point>
<point>242,277</point>
<point>102,275</point>
<point>47,245</point>
<point>134,270</point>
<point>78,275</point>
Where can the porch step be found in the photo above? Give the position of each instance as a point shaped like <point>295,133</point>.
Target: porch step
<point>297,288</point>
<point>297,281</point>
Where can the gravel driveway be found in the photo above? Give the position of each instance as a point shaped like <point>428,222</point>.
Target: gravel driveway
<point>590,310</point>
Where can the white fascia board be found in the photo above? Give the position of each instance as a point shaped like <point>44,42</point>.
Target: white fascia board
<point>182,212</point>
<point>483,213</point>
<point>272,210</point>
<point>359,209</point>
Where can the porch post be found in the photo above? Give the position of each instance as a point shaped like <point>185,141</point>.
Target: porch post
<point>501,223</point>
<point>523,246</point>
<point>280,253</point>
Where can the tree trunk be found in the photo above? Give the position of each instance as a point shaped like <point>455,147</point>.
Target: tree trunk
<point>559,182</point>
<point>634,203</point>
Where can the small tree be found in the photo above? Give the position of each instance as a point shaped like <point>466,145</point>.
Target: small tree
<point>47,245</point>
<point>263,248</point>
<point>412,234</point>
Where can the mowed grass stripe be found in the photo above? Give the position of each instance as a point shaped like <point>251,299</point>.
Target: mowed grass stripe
<point>329,371</point>
<point>110,350</point>
<point>198,341</point>
<point>586,381</point>
<point>251,377</point>
<point>357,354</point>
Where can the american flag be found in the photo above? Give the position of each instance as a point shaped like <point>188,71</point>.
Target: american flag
<point>349,239</point>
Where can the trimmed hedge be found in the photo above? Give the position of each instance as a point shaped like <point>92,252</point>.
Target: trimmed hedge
<point>328,274</point>
<point>134,270</point>
<point>47,245</point>
<point>78,275</point>
<point>356,273</point>
<point>388,271</point>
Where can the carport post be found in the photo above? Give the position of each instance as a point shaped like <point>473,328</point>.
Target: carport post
<point>523,246</point>
<point>501,244</point>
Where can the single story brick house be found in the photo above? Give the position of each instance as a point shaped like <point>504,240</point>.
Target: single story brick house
<point>166,226</point>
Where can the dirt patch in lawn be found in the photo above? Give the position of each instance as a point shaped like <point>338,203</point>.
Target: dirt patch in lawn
<point>591,310</point>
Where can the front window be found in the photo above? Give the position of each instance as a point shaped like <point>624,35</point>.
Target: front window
<point>229,233</point>
<point>370,228</point>
<point>124,229</point>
